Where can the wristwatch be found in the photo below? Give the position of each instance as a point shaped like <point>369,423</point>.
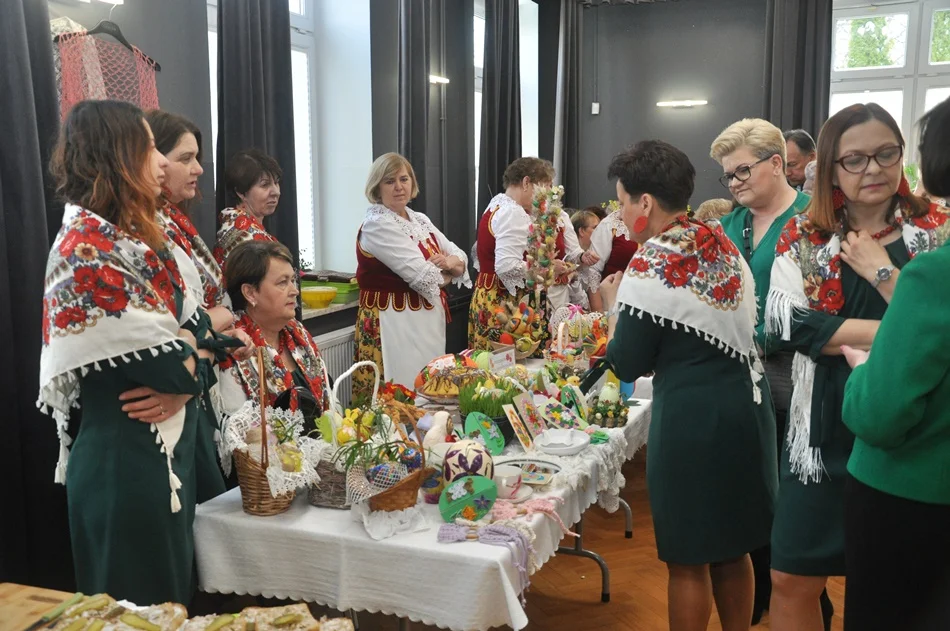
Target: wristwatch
<point>882,275</point>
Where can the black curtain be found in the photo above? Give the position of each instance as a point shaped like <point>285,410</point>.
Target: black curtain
<point>255,99</point>
<point>501,98</point>
<point>413,101</point>
<point>798,63</point>
<point>567,117</point>
<point>34,546</point>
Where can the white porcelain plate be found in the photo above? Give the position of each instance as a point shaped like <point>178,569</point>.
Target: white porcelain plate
<point>562,442</point>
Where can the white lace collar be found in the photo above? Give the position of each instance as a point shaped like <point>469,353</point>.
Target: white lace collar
<point>617,226</point>
<point>501,200</point>
<point>417,227</point>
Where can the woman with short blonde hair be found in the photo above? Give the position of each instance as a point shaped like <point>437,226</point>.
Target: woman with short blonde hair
<point>403,261</point>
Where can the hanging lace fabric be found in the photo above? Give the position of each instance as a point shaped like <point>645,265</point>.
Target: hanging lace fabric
<point>94,68</point>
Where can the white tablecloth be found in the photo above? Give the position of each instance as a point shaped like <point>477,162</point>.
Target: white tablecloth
<point>324,556</point>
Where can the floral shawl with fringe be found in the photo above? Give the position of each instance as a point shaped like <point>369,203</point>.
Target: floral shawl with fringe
<point>108,297</point>
<point>692,275</point>
<point>807,275</point>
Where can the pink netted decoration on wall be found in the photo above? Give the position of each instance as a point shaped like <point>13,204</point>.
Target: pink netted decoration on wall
<point>93,68</point>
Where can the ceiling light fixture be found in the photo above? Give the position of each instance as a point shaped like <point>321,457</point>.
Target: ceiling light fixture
<point>434,78</point>
<point>687,103</point>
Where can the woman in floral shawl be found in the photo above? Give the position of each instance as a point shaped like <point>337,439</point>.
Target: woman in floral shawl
<point>252,182</point>
<point>117,317</point>
<point>834,274</point>
<point>685,308</point>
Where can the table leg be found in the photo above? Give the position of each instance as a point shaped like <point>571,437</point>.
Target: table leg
<point>579,551</point>
<point>628,515</point>
<point>355,619</point>
<point>404,624</point>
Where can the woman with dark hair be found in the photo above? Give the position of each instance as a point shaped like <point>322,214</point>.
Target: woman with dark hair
<point>263,289</point>
<point>685,309</point>
<point>117,318</point>
<point>252,186</point>
<point>180,141</point>
<point>502,246</point>
<point>835,270</point>
<point>897,500</point>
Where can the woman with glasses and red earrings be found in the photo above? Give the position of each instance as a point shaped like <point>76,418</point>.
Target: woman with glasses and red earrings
<point>752,155</point>
<point>834,274</point>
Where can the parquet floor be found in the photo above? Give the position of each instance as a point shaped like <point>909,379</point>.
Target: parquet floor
<point>565,593</point>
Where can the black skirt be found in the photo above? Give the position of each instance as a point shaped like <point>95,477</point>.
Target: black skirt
<point>898,562</point>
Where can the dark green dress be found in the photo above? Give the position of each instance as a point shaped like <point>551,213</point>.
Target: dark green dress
<point>125,539</point>
<point>808,536</point>
<point>711,468</point>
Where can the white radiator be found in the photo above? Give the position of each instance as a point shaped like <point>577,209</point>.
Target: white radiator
<point>338,349</point>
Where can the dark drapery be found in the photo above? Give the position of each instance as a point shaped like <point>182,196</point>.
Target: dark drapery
<point>255,99</point>
<point>798,63</point>
<point>413,103</point>
<point>34,546</point>
<point>501,99</point>
<point>567,116</point>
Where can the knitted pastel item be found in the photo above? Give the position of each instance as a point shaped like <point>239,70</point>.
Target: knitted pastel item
<point>503,509</point>
<point>496,535</point>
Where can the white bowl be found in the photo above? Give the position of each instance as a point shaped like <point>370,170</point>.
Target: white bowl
<point>562,442</point>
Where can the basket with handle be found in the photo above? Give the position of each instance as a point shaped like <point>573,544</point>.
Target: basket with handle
<point>330,492</point>
<point>405,493</point>
<point>256,496</point>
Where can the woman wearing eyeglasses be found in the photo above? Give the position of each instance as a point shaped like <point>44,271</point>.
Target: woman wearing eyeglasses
<point>835,269</point>
<point>752,155</point>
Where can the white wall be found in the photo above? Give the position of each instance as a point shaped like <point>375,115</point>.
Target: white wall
<point>342,93</point>
<point>528,43</point>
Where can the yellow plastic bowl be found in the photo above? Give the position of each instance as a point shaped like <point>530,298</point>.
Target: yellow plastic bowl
<point>318,297</point>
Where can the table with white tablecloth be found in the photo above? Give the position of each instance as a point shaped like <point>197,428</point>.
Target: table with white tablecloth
<point>325,556</point>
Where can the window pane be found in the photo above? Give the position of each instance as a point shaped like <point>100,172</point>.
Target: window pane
<point>934,97</point>
<point>479,42</point>
<point>478,147</point>
<point>871,42</point>
<point>300,68</point>
<point>940,38</point>
<point>296,6</point>
<point>890,100</point>
<point>213,74</point>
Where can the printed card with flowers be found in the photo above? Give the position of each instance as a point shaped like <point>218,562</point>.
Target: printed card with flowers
<point>529,413</point>
<point>559,416</point>
<point>524,436</point>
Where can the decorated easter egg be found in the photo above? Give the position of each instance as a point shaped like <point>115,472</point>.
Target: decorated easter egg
<point>471,498</point>
<point>384,475</point>
<point>411,457</point>
<point>432,486</point>
<point>610,393</point>
<point>467,457</point>
<point>481,425</point>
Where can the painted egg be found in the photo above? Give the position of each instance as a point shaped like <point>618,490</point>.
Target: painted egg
<point>411,457</point>
<point>467,457</point>
<point>384,475</point>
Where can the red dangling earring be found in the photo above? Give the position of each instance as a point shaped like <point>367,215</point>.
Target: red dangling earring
<point>903,189</point>
<point>837,198</point>
<point>640,224</point>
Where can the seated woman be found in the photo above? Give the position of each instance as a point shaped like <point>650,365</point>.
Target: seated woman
<point>402,263</point>
<point>262,284</point>
<point>252,181</point>
<point>711,474</point>
<point>115,319</point>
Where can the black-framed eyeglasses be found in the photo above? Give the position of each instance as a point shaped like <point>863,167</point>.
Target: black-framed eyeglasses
<point>857,162</point>
<point>742,173</point>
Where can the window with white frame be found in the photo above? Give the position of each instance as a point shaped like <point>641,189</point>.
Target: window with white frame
<point>528,71</point>
<point>895,55</point>
<point>302,76</point>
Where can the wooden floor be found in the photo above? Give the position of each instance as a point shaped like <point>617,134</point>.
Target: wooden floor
<point>565,593</point>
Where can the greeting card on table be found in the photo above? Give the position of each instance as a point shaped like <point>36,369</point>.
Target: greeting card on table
<point>559,416</point>
<point>527,410</point>
<point>524,437</point>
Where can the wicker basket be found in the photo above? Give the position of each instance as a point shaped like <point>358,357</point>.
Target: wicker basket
<point>256,497</point>
<point>404,494</point>
<point>331,491</point>
<point>519,356</point>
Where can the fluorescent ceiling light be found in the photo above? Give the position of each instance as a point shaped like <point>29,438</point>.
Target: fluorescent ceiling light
<point>687,103</point>
<point>434,78</point>
<point>112,1</point>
